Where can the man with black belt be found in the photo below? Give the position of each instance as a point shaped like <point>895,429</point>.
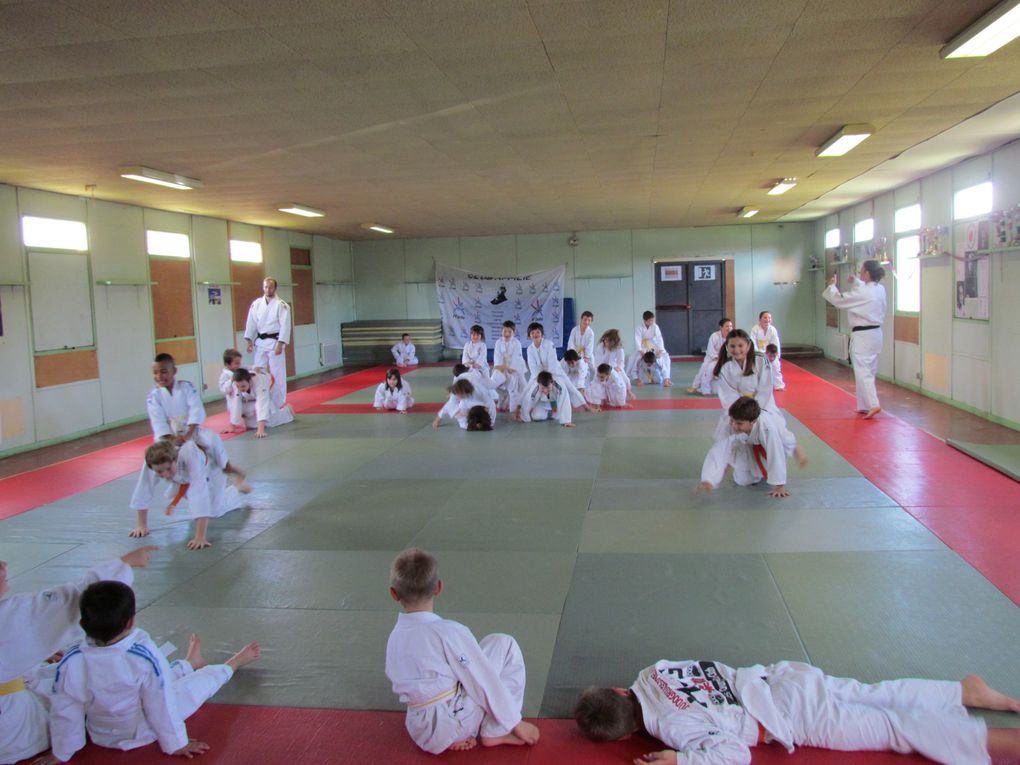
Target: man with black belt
<point>268,332</point>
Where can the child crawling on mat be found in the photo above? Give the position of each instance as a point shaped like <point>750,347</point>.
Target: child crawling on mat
<point>459,691</point>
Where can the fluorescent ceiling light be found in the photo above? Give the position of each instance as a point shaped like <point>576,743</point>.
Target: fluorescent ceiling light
<point>781,187</point>
<point>303,210</point>
<point>377,227</point>
<point>986,35</point>
<point>747,212</point>
<point>846,139</point>
<point>160,178</point>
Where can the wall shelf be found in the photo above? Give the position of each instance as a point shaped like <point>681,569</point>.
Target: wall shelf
<point>123,283</point>
<point>337,284</point>
<point>13,284</point>
<point>218,284</point>
<point>993,250</point>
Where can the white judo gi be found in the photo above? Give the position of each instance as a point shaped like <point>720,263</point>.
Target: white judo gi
<point>537,406</point>
<point>762,453</point>
<point>257,404</point>
<point>578,375</point>
<point>458,409</point>
<point>172,412</point>
<point>712,714</point>
<point>650,339</point>
<point>865,305</point>
<point>704,382</point>
<point>226,386</point>
<point>543,359</point>
<point>33,627</point>
<point>584,344</point>
<point>127,695</point>
<point>733,383</point>
<point>649,373</point>
<point>199,479</point>
<point>509,353</point>
<point>404,354</point>
<point>393,398</point>
<point>762,339</point>
<point>475,356</point>
<point>268,323</point>
<point>612,392</point>
<point>454,686</point>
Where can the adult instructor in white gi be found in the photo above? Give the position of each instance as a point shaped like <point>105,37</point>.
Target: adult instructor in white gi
<point>865,304</point>
<point>268,332</point>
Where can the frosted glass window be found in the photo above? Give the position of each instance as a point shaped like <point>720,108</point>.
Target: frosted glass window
<point>245,252</point>
<point>54,233</point>
<point>908,274</point>
<point>908,218</point>
<point>168,244</point>
<point>864,230</point>
<point>972,201</point>
<point>832,237</point>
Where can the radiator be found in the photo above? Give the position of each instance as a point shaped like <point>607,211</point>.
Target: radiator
<point>329,354</point>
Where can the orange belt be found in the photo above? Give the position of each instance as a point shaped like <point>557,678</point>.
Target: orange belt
<point>181,491</point>
<point>759,457</point>
<point>761,734</point>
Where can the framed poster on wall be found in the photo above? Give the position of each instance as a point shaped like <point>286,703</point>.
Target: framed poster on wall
<point>971,270</point>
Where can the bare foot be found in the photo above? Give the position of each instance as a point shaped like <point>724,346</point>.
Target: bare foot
<point>462,746</point>
<point>872,412</point>
<point>524,733</point>
<point>569,425</point>
<point>977,693</point>
<point>801,457</point>
<point>248,654</point>
<point>241,483</point>
<point>692,390</point>
<point>194,655</point>
<point>667,383</point>
<point>199,544</point>
<point>141,531</point>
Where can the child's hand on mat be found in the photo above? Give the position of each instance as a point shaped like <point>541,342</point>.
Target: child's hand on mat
<point>778,492</point>
<point>192,748</point>
<point>704,486</point>
<point>665,757</point>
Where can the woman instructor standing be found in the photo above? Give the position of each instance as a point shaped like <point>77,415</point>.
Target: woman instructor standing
<point>865,304</point>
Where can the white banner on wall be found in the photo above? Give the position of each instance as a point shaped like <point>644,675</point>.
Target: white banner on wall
<point>467,298</point>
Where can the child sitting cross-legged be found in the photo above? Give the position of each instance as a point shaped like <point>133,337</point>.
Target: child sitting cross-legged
<point>120,688</point>
<point>459,691</point>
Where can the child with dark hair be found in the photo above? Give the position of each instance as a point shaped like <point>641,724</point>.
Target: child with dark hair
<point>713,714</point>
<point>648,337</point>
<point>647,368</point>
<point>545,399</point>
<point>475,353</point>
<point>459,691</point>
<point>742,372</point>
<point>756,444</point>
<point>174,406</point>
<point>575,369</point>
<point>704,381</point>
<point>120,688</point>
<point>463,397</point>
<point>582,340</point>
<point>478,419</point>
<point>764,334</point>
<point>508,361</point>
<point>607,388</point>
<point>253,405</point>
<point>404,354</point>
<point>394,393</point>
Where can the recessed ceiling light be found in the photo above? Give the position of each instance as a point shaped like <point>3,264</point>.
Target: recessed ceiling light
<point>377,227</point>
<point>781,187</point>
<point>302,210</point>
<point>844,140</point>
<point>160,177</point>
<point>748,212</point>
<point>986,35</point>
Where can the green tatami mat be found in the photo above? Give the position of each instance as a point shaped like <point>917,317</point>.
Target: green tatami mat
<point>625,611</point>
<point>24,556</point>
<point>1003,457</point>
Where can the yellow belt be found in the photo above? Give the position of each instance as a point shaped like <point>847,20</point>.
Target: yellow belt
<point>12,686</point>
<point>434,699</point>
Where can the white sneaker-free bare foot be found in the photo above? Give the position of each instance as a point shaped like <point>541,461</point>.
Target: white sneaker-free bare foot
<point>524,733</point>
<point>462,746</point>
<point>194,656</point>
<point>872,412</point>
<point>248,654</point>
<point>979,694</point>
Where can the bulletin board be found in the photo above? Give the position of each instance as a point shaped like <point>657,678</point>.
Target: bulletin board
<point>971,271</point>
<point>304,286</point>
<point>247,278</point>
<point>62,368</point>
<point>172,311</point>
<point>61,296</point>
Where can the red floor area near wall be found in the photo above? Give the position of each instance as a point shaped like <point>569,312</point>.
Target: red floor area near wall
<point>966,504</point>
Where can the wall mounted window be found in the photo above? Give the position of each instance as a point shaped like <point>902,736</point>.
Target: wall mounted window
<point>864,230</point>
<point>972,201</point>
<point>832,238</point>
<point>245,252</point>
<point>54,233</point>
<point>167,244</point>
<point>908,274</point>
<point>908,219</point>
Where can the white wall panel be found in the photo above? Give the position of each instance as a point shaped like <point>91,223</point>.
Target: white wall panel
<point>65,409</point>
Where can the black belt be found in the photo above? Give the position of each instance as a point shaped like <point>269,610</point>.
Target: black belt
<point>854,329</point>
<point>276,335</point>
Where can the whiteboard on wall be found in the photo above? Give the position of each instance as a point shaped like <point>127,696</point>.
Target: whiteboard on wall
<point>61,300</point>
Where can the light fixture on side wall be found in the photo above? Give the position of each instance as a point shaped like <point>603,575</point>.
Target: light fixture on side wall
<point>377,227</point>
<point>303,210</point>
<point>845,139</point>
<point>159,177</point>
<point>781,187</point>
<point>747,212</point>
<point>999,26</point>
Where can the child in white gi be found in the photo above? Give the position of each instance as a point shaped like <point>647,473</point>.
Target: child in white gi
<point>194,473</point>
<point>575,369</point>
<point>459,691</point>
<point>610,351</point>
<point>756,446</point>
<point>704,381</point>
<point>474,355</point>
<point>582,340</point>
<point>463,396</point>
<point>545,399</point>
<point>742,372</point>
<point>712,714</point>
<point>394,393</point>
<point>764,334</point>
<point>231,363</point>
<point>542,358</point>
<point>647,367</point>
<point>119,686</point>
<point>508,360</point>
<point>404,352</point>
<point>648,337</point>
<point>174,406</point>
<point>253,405</point>
<point>608,388</point>
<point>33,627</point>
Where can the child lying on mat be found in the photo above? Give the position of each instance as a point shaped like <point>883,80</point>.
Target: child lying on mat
<point>458,691</point>
<point>711,714</point>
